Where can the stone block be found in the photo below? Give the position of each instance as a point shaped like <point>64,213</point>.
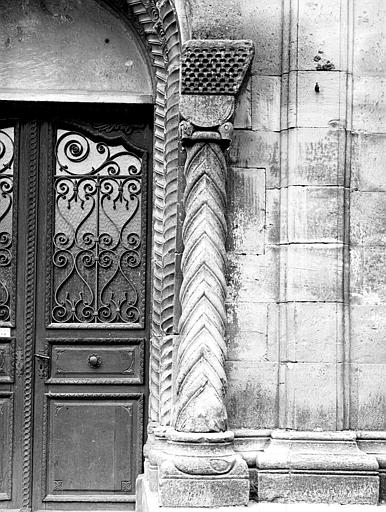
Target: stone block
<point>311,390</point>
<point>369,104</point>
<point>246,210</point>
<point>262,22</point>
<point>315,488</point>
<point>321,35</point>
<point>266,103</point>
<point>253,278</point>
<point>207,21</point>
<point>367,268</point>
<point>257,150</point>
<point>368,396</point>
<point>313,156</point>
<point>311,272</point>
<point>313,214</point>
<point>236,19</point>
<point>243,107</point>
<point>303,107</point>
<point>252,331</point>
<point>368,162</point>
<point>316,467</point>
<point>368,334</point>
<point>311,331</point>
<point>370,47</point>
<point>272,217</point>
<point>252,394</point>
<point>368,218</point>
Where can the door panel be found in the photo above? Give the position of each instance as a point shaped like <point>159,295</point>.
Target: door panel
<point>92,449</point>
<point>74,359</point>
<point>6,445</point>
<point>120,361</point>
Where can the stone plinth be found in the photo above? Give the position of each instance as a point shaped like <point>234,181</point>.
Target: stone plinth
<point>202,470</point>
<point>317,467</point>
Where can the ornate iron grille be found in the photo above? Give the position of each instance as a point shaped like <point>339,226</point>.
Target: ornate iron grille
<point>7,261</point>
<point>98,240</point>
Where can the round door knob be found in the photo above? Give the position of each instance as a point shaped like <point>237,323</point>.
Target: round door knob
<point>94,361</point>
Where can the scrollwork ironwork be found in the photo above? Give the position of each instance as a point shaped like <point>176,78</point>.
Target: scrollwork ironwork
<point>7,270</point>
<point>98,255</point>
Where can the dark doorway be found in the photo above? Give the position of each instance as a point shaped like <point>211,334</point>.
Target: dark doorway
<point>74,317</point>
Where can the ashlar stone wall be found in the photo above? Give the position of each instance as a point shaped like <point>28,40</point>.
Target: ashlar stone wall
<point>306,251</point>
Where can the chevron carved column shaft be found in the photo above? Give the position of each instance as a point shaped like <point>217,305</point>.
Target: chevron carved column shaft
<point>199,467</point>
<point>212,73</point>
<point>200,380</point>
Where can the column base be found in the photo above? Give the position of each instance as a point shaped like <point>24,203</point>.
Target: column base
<point>202,470</point>
<point>317,467</point>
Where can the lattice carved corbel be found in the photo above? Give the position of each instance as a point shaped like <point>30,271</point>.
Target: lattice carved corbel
<point>212,73</point>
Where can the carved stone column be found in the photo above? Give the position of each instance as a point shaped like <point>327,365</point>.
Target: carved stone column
<point>200,467</point>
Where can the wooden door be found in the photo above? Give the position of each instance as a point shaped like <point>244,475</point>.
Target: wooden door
<point>81,317</point>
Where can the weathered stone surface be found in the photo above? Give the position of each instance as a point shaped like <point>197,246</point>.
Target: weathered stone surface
<point>272,217</point>
<point>368,162</point>
<point>311,390</point>
<point>252,392</point>
<point>316,488</point>
<point>314,214</point>
<point>369,106</point>
<point>370,50</point>
<point>313,156</point>
<point>368,333</point>
<point>266,103</point>
<point>368,218</point>
<point>252,278</point>
<point>252,331</point>
<point>313,272</point>
<point>246,210</point>
<point>312,331</point>
<point>367,275</point>
<point>238,19</point>
<point>257,150</point>
<point>317,467</point>
<point>243,108</point>
<point>321,27</point>
<point>266,33</point>
<point>368,396</point>
<point>306,108</point>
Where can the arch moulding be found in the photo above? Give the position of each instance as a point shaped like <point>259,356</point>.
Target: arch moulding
<point>157,24</point>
